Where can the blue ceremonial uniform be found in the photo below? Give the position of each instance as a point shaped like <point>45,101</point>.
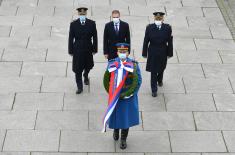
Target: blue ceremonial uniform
<point>126,112</point>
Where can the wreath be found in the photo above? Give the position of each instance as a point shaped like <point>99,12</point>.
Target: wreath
<point>131,88</point>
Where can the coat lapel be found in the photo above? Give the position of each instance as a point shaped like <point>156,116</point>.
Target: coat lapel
<point>79,23</point>
<point>120,27</point>
<point>155,27</point>
<point>162,27</point>
<point>159,30</point>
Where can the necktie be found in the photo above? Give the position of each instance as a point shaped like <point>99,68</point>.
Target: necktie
<point>116,28</point>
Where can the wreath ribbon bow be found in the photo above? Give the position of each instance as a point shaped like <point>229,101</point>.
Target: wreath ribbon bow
<point>128,66</point>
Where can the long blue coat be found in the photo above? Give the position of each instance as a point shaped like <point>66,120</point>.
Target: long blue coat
<point>126,112</point>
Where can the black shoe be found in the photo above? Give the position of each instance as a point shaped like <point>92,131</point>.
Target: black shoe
<point>116,134</point>
<point>160,84</point>
<point>79,91</point>
<point>123,144</point>
<point>86,80</point>
<point>124,134</point>
<point>154,94</point>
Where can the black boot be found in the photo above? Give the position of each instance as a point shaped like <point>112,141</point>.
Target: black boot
<point>79,91</point>
<point>116,134</point>
<point>79,83</point>
<point>86,79</point>
<point>154,94</point>
<point>154,87</point>
<point>160,84</point>
<point>124,134</point>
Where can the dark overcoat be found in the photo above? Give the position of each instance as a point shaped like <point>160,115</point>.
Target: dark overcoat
<point>157,46</point>
<point>111,38</point>
<point>82,43</point>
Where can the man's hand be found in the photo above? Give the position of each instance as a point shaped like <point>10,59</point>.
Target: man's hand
<point>71,55</point>
<point>106,56</point>
<point>93,53</point>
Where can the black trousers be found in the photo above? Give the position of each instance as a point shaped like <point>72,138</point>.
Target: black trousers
<point>78,77</point>
<point>124,133</point>
<point>156,78</point>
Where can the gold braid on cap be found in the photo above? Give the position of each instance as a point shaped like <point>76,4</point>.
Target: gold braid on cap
<point>122,48</point>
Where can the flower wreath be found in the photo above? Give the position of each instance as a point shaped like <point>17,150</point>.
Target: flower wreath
<point>131,88</point>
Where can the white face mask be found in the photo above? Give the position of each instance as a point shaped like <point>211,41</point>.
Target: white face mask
<point>116,20</point>
<point>122,55</point>
<point>82,17</point>
<point>158,22</point>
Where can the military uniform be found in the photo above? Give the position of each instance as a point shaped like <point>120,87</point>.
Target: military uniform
<point>126,113</point>
<point>157,47</point>
<point>123,112</point>
<point>82,45</point>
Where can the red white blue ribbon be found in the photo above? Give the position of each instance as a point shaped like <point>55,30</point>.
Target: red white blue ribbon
<point>119,72</point>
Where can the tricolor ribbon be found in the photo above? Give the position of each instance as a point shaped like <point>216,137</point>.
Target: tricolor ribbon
<point>117,80</point>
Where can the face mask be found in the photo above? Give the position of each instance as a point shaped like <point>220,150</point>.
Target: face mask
<point>82,17</point>
<point>122,55</point>
<point>116,20</point>
<point>158,22</point>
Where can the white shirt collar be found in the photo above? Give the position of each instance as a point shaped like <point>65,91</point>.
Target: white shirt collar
<point>82,21</point>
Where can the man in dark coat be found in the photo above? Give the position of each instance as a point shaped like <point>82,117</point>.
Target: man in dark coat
<point>157,47</point>
<point>82,46</point>
<point>116,31</point>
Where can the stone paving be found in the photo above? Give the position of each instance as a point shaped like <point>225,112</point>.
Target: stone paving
<point>227,8</point>
<point>40,114</point>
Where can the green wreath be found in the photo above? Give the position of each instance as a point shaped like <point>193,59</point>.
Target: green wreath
<point>131,88</point>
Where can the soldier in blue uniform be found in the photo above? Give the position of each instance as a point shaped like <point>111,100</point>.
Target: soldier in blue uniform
<point>157,48</point>
<point>126,112</point>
